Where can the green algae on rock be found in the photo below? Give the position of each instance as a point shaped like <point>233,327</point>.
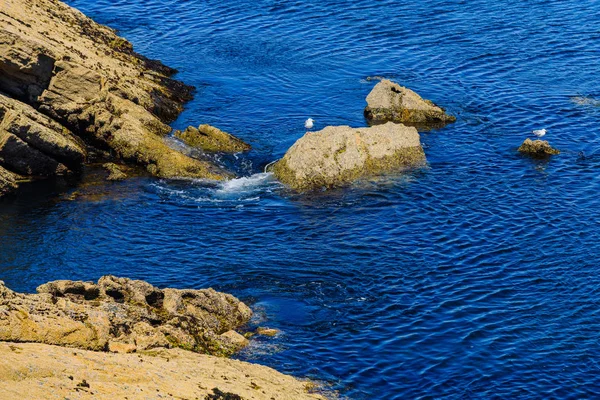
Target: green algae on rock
<point>388,101</point>
<point>211,139</point>
<point>338,155</point>
<point>537,148</point>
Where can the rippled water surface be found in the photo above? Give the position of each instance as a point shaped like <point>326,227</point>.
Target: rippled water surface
<point>475,277</point>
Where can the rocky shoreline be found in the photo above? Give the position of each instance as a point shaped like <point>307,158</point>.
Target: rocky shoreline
<point>73,93</point>
<point>124,337</point>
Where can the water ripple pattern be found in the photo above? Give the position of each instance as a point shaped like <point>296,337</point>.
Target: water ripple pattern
<point>475,277</point>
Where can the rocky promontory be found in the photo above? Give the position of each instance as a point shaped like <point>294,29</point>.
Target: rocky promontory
<point>123,315</point>
<point>338,155</point>
<point>174,333</point>
<point>70,86</point>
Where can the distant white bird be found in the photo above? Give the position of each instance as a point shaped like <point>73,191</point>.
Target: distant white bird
<point>309,123</point>
<point>539,132</point>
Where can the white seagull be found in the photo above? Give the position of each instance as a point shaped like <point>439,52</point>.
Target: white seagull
<point>539,132</point>
<point>309,123</point>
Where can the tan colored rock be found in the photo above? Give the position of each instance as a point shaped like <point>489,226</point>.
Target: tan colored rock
<point>338,155</point>
<point>8,181</point>
<point>32,371</point>
<point>23,159</point>
<point>117,311</point>
<point>388,101</point>
<point>537,148</point>
<point>40,133</point>
<point>233,341</point>
<point>25,65</point>
<point>114,172</point>
<point>267,331</point>
<point>120,347</point>
<point>211,139</point>
<point>88,81</point>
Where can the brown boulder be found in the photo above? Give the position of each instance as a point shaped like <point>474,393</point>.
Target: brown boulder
<point>537,148</point>
<point>388,101</point>
<point>338,155</point>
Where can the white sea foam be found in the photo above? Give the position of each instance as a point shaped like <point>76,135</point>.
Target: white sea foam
<point>245,184</point>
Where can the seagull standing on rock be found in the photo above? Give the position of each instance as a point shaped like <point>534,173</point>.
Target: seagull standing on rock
<point>309,123</point>
<point>539,132</point>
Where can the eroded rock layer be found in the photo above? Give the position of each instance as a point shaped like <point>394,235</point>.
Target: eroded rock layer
<point>123,315</point>
<point>65,78</point>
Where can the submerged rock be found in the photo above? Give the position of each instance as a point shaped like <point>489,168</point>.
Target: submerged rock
<point>388,101</point>
<point>120,314</point>
<point>89,84</point>
<point>211,139</point>
<point>537,148</point>
<point>114,172</point>
<point>338,155</point>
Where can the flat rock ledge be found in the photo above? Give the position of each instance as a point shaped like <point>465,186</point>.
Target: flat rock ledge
<point>40,371</point>
<point>69,86</point>
<point>211,139</point>
<point>338,155</point>
<point>123,315</point>
<point>388,101</point>
<point>537,148</point>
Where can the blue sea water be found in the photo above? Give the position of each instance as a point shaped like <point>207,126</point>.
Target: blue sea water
<point>475,277</point>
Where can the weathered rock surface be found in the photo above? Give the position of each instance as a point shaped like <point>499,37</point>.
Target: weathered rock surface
<point>39,371</point>
<point>211,139</point>
<point>8,181</point>
<point>388,101</point>
<point>33,144</point>
<point>122,315</point>
<point>537,148</point>
<point>89,84</point>
<point>338,155</point>
<point>114,172</point>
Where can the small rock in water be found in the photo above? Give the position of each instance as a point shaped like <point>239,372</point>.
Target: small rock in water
<point>114,172</point>
<point>267,331</point>
<point>388,101</point>
<point>537,148</point>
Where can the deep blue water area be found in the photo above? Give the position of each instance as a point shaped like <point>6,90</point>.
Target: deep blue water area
<point>475,277</point>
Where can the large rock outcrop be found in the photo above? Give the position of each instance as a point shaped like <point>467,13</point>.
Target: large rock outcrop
<point>211,139</point>
<point>91,86</point>
<point>32,371</point>
<point>388,101</point>
<point>123,315</point>
<point>338,155</point>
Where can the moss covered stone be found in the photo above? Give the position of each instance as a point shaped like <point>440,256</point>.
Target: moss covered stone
<point>211,139</point>
<point>537,148</point>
